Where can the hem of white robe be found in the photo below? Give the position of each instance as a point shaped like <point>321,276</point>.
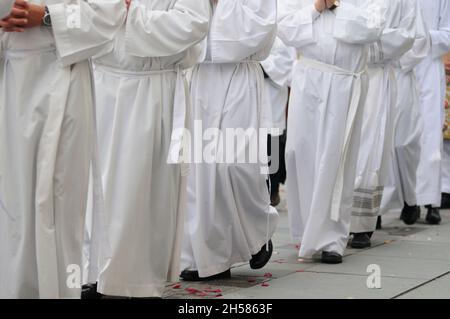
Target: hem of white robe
<point>429,199</point>
<point>446,189</point>
<point>217,269</point>
<point>136,291</point>
<point>334,247</point>
<point>363,224</point>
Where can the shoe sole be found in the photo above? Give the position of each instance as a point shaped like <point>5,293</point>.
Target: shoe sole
<point>360,246</point>
<point>212,278</point>
<point>331,261</point>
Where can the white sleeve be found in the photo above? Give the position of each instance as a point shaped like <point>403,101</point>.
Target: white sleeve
<point>295,23</point>
<point>397,38</point>
<point>83,28</point>
<point>5,8</point>
<point>241,28</point>
<point>422,44</point>
<point>440,38</point>
<point>160,33</point>
<point>278,66</point>
<point>360,23</point>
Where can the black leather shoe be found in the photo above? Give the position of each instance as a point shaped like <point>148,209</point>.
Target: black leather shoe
<point>89,291</point>
<point>259,260</point>
<point>433,216</point>
<point>331,258</point>
<point>445,202</point>
<point>410,214</point>
<point>360,241</point>
<point>192,275</point>
<point>379,223</point>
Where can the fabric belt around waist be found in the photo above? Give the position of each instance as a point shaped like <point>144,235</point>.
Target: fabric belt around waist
<point>180,143</point>
<point>349,126</point>
<point>15,54</point>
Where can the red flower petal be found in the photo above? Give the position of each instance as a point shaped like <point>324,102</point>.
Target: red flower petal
<point>265,284</point>
<point>212,290</point>
<point>192,291</point>
<point>176,286</point>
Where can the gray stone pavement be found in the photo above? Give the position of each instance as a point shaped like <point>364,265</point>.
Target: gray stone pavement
<point>414,262</point>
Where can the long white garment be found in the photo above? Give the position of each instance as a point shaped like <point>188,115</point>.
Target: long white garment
<point>46,146</point>
<point>377,136</point>
<point>141,97</point>
<point>325,115</point>
<point>446,168</point>
<point>408,125</point>
<point>229,217</point>
<point>431,85</point>
<point>278,66</point>
<point>5,8</point>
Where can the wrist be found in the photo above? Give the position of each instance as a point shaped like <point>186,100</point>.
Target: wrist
<point>46,18</point>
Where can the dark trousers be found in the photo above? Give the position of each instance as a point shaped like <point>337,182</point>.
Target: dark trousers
<point>279,177</point>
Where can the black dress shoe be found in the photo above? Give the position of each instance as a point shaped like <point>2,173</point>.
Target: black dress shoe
<point>89,291</point>
<point>331,258</point>
<point>259,260</point>
<point>445,202</point>
<point>410,214</point>
<point>433,216</point>
<point>361,240</point>
<point>379,223</point>
<point>192,275</point>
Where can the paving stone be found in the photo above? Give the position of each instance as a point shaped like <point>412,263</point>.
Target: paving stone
<point>324,286</point>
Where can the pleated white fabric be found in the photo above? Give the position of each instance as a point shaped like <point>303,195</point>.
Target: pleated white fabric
<point>229,217</point>
<point>377,139</point>
<point>408,125</point>
<point>278,66</point>
<point>432,85</point>
<point>325,116</point>
<point>46,147</point>
<point>446,168</point>
<point>142,96</point>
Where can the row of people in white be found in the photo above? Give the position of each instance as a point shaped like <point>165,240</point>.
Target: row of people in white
<point>140,232</point>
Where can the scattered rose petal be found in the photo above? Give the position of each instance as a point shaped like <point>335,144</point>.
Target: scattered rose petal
<point>192,291</point>
<point>268,275</point>
<point>176,286</point>
<point>212,290</point>
<point>219,295</point>
<point>265,284</point>
<point>251,280</point>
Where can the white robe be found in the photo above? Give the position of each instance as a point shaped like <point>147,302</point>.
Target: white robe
<point>278,66</point>
<point>46,146</point>
<point>135,243</point>
<point>377,136</point>
<point>325,114</point>
<point>446,168</point>
<point>408,126</point>
<point>431,85</point>
<point>5,8</point>
<point>229,217</point>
